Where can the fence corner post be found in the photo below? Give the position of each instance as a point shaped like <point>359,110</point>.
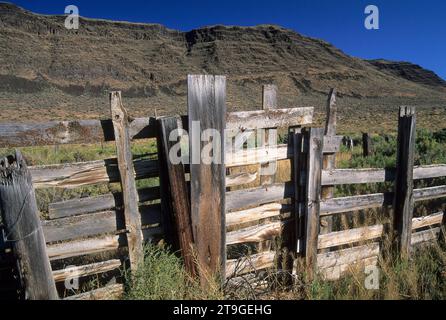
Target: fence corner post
<point>312,149</point>
<point>23,229</point>
<point>403,201</point>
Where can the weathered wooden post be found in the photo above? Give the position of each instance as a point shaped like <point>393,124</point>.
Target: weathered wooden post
<point>329,159</point>
<point>128,184</point>
<point>207,121</point>
<point>177,188</point>
<point>311,161</point>
<point>23,229</point>
<point>367,145</point>
<point>403,199</point>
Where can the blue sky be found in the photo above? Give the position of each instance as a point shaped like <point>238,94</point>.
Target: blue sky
<point>410,30</point>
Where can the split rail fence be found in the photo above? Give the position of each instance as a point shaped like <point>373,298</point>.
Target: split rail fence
<point>233,220</point>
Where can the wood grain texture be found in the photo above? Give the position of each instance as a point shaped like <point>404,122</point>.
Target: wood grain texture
<point>347,256</point>
<point>73,175</point>
<point>253,263</point>
<point>110,292</point>
<point>128,184</point>
<point>206,104</point>
<point>426,221</point>
<point>339,238</point>
<point>250,215</point>
<point>86,270</point>
<point>425,236</point>
<point>255,233</point>
<point>179,194</point>
<point>20,217</point>
<point>403,202</point>
<point>313,145</point>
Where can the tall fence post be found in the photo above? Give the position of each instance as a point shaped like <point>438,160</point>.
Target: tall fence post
<point>128,184</point>
<point>23,229</point>
<point>207,121</point>
<point>311,158</point>
<point>177,188</point>
<point>329,159</point>
<point>403,199</point>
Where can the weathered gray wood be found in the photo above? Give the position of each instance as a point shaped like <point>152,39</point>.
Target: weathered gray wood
<point>73,175</point>
<point>69,132</point>
<point>255,233</point>
<point>96,245</point>
<point>241,199</point>
<point>269,102</point>
<point>336,272</point>
<point>340,238</point>
<point>22,225</point>
<point>329,159</point>
<point>128,184</point>
<point>347,256</point>
<point>240,179</point>
<point>313,145</point>
<point>403,202</point>
<point>179,194</point>
<point>86,270</point>
<point>207,104</point>
<point>104,202</point>
<point>426,221</point>
<point>91,224</point>
<point>110,292</point>
<point>253,263</point>
<point>425,236</point>
<point>367,145</point>
<point>271,118</point>
<point>250,215</point>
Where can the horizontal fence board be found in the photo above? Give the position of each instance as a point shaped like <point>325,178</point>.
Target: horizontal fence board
<point>95,224</point>
<point>95,131</point>
<point>239,199</point>
<point>353,203</point>
<point>426,221</point>
<point>253,263</point>
<point>69,132</point>
<point>100,203</point>
<point>255,233</point>
<point>110,292</point>
<point>95,245</point>
<point>347,256</point>
<point>73,175</point>
<point>240,179</point>
<point>262,212</point>
<point>358,176</point>
<point>425,236</point>
<point>344,237</point>
<point>334,273</point>
<point>271,118</point>
<point>86,270</point>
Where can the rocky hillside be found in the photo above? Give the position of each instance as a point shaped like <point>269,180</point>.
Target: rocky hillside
<point>43,64</point>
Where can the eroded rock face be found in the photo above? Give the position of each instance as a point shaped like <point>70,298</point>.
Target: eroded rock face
<point>410,71</point>
<point>151,61</point>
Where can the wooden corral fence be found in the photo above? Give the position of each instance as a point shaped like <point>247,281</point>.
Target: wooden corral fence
<point>232,222</point>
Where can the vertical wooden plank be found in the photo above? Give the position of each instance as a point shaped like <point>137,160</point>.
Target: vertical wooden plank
<point>128,185</point>
<point>329,159</point>
<point>313,139</point>
<point>403,200</point>
<point>207,110</point>
<point>178,191</point>
<point>23,230</point>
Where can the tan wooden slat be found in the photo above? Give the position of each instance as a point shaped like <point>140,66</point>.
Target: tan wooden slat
<point>426,221</point>
<point>347,256</point>
<point>240,179</point>
<point>339,238</point>
<point>104,202</point>
<point>425,236</point>
<point>86,270</point>
<point>334,273</point>
<point>262,212</point>
<point>259,261</point>
<point>110,292</point>
<point>73,175</point>
<point>255,233</point>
